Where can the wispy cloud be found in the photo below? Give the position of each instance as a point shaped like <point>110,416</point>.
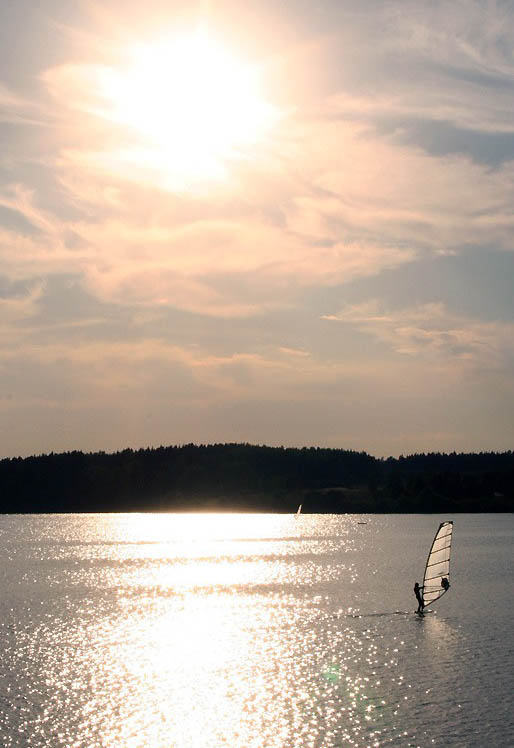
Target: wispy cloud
<point>17,109</point>
<point>203,296</point>
<point>18,305</point>
<point>430,331</point>
<point>337,200</point>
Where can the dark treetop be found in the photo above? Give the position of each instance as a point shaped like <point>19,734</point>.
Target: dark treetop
<point>245,477</point>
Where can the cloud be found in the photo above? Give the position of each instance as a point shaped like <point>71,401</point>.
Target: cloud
<point>469,106</point>
<point>341,204</point>
<point>326,199</point>
<point>152,371</point>
<point>402,195</point>
<point>431,332</point>
<point>194,304</point>
<point>18,304</point>
<point>20,199</point>
<point>16,109</point>
<point>436,62</point>
<point>152,392</point>
<point>467,36</point>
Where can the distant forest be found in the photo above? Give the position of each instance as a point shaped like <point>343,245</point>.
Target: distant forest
<point>245,477</point>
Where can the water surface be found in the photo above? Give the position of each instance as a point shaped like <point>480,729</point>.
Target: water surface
<point>252,631</point>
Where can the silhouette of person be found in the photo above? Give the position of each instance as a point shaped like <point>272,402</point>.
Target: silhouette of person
<point>445,583</point>
<point>419,598</point>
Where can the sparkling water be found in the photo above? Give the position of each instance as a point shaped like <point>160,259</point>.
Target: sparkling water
<point>252,631</point>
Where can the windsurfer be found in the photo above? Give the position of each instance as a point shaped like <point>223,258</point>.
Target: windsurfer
<point>445,584</point>
<point>419,598</point>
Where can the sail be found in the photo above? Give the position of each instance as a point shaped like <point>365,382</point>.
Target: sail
<point>298,511</point>
<point>438,565</point>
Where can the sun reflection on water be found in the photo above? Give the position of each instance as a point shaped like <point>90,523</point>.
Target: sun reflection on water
<point>209,631</point>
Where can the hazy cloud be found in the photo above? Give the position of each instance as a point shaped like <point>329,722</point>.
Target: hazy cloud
<point>193,301</point>
<point>431,331</point>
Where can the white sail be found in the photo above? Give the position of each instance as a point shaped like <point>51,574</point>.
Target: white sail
<point>298,511</point>
<point>437,571</point>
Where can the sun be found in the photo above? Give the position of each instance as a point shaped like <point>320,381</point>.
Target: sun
<point>192,105</point>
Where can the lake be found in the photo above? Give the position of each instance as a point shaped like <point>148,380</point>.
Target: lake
<point>252,631</point>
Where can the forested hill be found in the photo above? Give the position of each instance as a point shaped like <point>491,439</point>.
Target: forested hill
<point>244,477</point>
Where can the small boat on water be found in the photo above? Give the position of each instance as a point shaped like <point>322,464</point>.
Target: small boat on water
<point>298,512</point>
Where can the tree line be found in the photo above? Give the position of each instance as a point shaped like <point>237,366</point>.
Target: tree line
<point>246,477</point>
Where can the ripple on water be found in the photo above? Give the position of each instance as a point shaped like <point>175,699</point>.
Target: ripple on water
<point>273,643</point>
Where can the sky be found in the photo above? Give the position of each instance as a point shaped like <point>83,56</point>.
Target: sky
<point>277,223</point>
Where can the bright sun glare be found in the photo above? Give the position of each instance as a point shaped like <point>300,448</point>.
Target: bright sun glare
<point>191,102</point>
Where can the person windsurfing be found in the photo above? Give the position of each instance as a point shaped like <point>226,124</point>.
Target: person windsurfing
<point>419,598</point>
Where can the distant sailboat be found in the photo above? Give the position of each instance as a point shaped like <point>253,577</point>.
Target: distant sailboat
<point>298,512</point>
<point>436,580</point>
